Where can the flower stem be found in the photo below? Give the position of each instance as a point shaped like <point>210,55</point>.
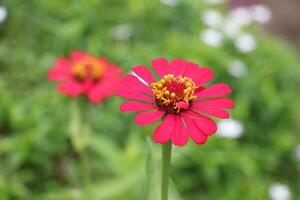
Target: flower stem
<point>80,143</point>
<point>166,159</point>
<point>85,172</point>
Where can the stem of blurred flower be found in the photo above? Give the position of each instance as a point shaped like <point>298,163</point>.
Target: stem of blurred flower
<point>166,159</point>
<point>79,137</point>
<point>85,170</point>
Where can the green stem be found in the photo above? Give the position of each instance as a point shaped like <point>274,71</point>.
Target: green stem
<point>82,135</point>
<point>166,159</point>
<point>85,170</point>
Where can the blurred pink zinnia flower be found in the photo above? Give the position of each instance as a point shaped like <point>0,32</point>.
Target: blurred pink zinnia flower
<point>178,97</point>
<point>84,74</point>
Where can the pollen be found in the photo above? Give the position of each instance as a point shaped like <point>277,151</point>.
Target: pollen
<point>88,68</point>
<point>174,93</point>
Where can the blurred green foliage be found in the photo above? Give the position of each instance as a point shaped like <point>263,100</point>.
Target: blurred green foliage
<point>37,158</point>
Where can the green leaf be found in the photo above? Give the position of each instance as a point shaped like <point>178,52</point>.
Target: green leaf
<point>108,189</point>
<point>108,150</point>
<point>118,186</point>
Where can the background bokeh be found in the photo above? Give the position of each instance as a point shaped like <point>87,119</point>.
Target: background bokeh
<point>254,155</point>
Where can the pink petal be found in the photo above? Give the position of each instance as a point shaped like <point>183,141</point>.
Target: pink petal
<point>191,70</point>
<point>214,90</point>
<point>180,135</point>
<point>102,90</point>
<point>205,124</point>
<point>130,94</point>
<point>77,55</point>
<point>220,102</point>
<point>112,71</point>
<point>182,105</point>
<point>164,131</point>
<point>199,89</point>
<point>215,112</point>
<point>130,87</point>
<point>203,75</point>
<point>200,75</point>
<point>161,66</point>
<point>178,66</point>
<point>71,88</point>
<point>62,63</point>
<point>88,85</point>
<point>146,118</point>
<point>144,73</point>
<point>130,82</point>
<point>195,133</point>
<point>60,71</point>
<point>131,106</point>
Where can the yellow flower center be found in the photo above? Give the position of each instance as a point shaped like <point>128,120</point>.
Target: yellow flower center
<point>88,68</point>
<point>174,94</point>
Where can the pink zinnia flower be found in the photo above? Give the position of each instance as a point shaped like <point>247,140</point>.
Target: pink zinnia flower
<point>178,97</point>
<point>84,74</point>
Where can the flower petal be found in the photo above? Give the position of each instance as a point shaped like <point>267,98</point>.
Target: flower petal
<point>200,75</point>
<point>144,73</point>
<point>178,67</point>
<point>132,106</point>
<point>71,88</point>
<point>180,134</point>
<point>215,112</point>
<point>102,90</point>
<point>77,55</point>
<point>130,94</point>
<point>203,76</point>
<point>214,90</point>
<point>164,131</point>
<point>61,70</point>
<point>146,118</point>
<point>220,102</point>
<point>191,70</point>
<point>130,82</point>
<point>112,71</point>
<point>205,124</point>
<point>161,66</point>
<point>195,133</point>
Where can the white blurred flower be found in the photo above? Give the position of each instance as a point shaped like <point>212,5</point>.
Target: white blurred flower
<point>278,191</point>
<point>242,16</point>
<point>233,24</point>
<point>212,2</point>
<point>237,68</point>
<point>261,13</point>
<point>3,14</point>
<point>245,43</point>
<point>231,29</point>
<point>236,20</point>
<point>230,128</point>
<point>212,18</point>
<point>171,3</point>
<point>122,32</point>
<point>212,37</point>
